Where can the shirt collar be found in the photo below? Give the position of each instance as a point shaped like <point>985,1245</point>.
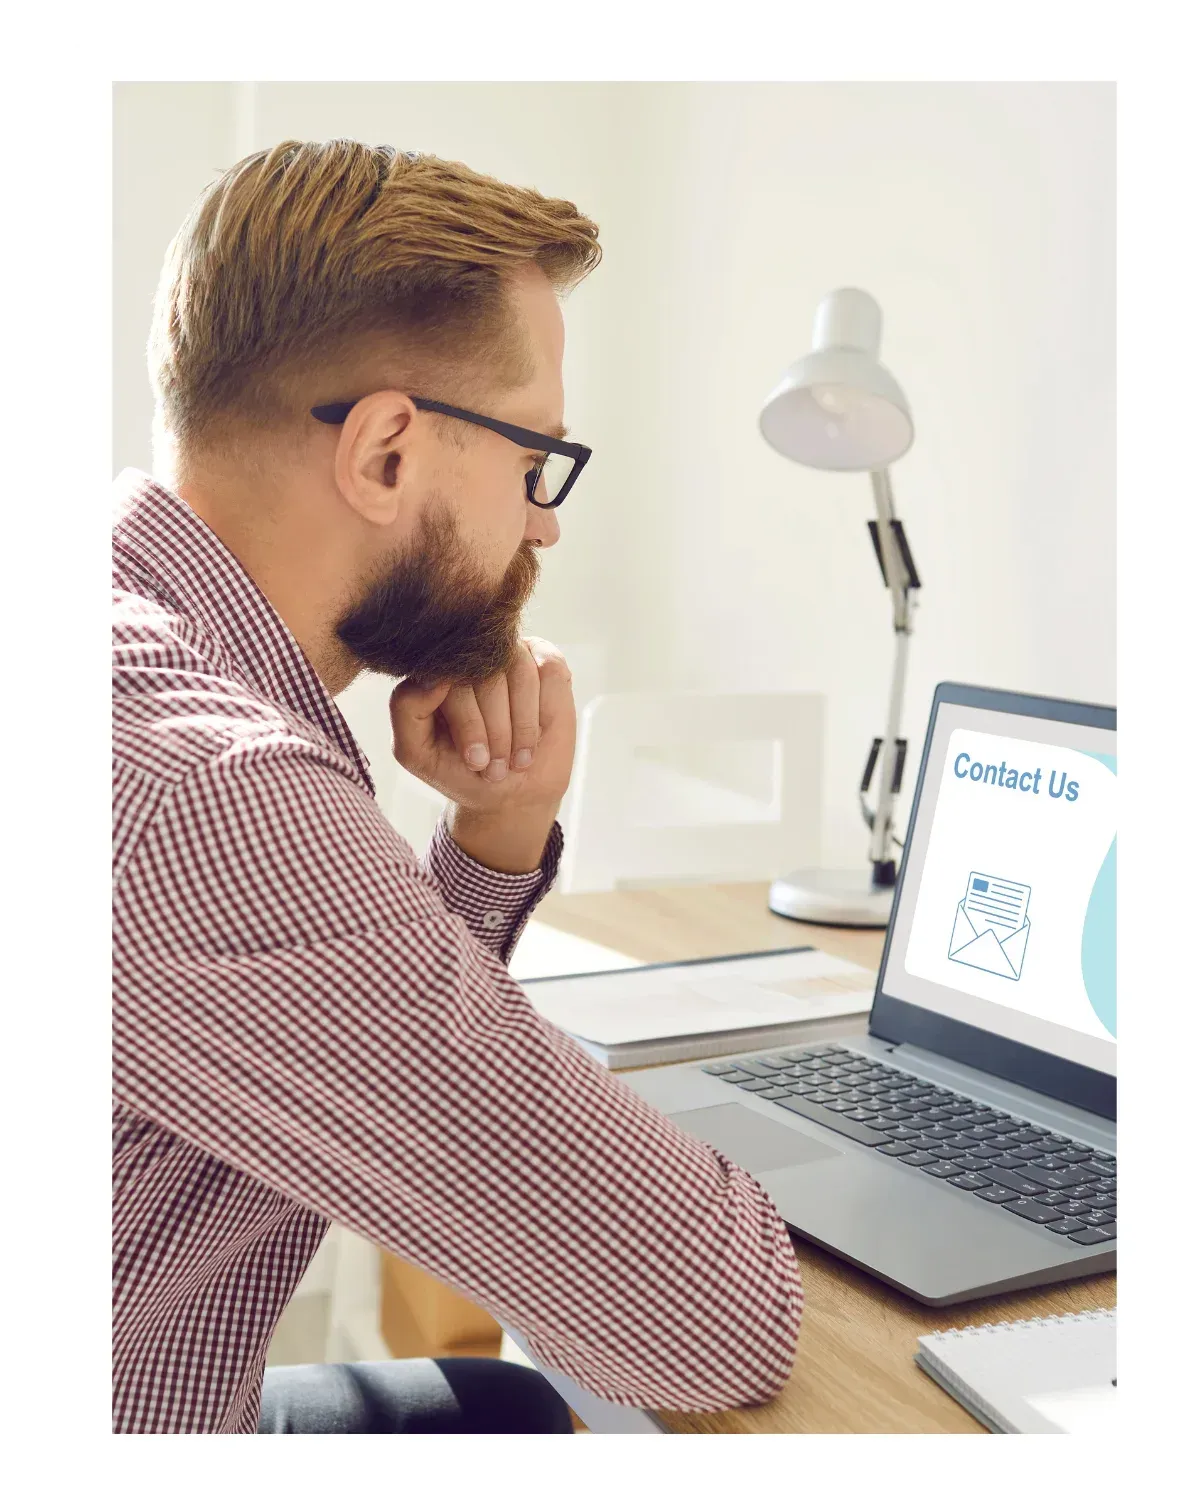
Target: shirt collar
<point>191,568</point>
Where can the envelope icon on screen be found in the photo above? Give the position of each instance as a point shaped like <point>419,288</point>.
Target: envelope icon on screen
<point>981,946</point>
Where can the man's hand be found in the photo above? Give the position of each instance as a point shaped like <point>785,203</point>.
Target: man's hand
<point>471,745</point>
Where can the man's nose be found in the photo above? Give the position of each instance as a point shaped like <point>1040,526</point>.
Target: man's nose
<point>541,526</point>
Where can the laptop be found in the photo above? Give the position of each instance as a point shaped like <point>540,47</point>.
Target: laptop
<point>966,1145</point>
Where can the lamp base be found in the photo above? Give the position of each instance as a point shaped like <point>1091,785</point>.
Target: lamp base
<point>832,898</point>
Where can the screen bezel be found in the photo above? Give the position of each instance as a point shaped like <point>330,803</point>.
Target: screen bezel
<point>902,1022</point>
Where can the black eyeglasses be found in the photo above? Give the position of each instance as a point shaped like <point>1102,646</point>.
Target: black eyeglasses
<point>559,463</point>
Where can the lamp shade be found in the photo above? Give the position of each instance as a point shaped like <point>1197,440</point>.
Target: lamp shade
<point>837,407</point>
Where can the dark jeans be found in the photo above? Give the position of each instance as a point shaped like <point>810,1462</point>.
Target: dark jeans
<point>411,1395</point>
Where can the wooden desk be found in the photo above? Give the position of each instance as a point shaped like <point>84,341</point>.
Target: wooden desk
<point>854,1369</point>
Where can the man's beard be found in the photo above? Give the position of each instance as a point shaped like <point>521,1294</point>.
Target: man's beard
<point>433,616</point>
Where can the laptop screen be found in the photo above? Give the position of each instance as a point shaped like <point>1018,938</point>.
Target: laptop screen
<point>1007,915</point>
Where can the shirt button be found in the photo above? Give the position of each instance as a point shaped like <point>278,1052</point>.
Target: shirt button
<point>493,919</point>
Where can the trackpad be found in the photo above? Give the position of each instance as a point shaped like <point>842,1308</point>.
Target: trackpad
<point>746,1138</point>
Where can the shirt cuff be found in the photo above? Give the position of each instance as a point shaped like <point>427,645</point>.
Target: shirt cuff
<point>495,906</point>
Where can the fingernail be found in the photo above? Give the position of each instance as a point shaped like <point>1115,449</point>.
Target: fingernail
<point>478,755</point>
<point>522,758</point>
<point>498,770</point>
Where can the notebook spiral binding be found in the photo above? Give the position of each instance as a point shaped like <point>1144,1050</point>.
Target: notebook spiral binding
<point>1091,1315</point>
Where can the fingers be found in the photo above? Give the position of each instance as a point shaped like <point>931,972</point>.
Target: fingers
<point>524,707</point>
<point>556,701</point>
<point>465,722</point>
<point>501,717</point>
<point>413,720</point>
<point>492,700</point>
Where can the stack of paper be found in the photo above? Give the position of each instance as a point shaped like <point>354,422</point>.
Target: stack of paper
<point>704,1007</point>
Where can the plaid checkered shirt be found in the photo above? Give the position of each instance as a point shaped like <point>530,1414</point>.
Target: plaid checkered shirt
<point>313,1024</point>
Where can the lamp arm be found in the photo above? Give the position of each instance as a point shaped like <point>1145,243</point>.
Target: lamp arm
<point>901,578</point>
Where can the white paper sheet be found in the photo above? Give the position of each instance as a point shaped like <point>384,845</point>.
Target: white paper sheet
<point>684,1000</point>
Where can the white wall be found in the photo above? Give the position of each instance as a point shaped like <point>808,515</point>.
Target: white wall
<point>982,216</point>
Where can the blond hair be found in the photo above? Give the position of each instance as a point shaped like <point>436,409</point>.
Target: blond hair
<point>314,264</point>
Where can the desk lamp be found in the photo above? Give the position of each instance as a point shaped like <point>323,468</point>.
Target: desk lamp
<point>838,408</point>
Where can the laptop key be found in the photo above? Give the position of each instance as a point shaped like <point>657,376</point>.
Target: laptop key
<point>755,1086</point>
<point>807,1110</point>
<point>941,1169</point>
<point>983,1153</point>
<point>1073,1158</point>
<point>901,1132</point>
<point>968,1180</point>
<point>757,1070</point>
<point>996,1194</point>
<point>897,1148</point>
<point>773,1093</point>
<point>1067,1177</point>
<point>1033,1210</point>
<point>918,1159</point>
<point>719,1068</point>
<point>1099,1216</point>
<point>1065,1226</point>
<point>1095,1234</point>
<point>944,1153</point>
<point>1004,1179</point>
<point>1006,1160</point>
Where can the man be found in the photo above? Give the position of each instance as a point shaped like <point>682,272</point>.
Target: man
<point>357,356</point>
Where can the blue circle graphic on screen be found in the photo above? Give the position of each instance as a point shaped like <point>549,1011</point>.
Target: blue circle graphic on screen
<point>1099,956</point>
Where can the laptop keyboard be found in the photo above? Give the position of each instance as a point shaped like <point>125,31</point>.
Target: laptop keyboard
<point>1066,1187</point>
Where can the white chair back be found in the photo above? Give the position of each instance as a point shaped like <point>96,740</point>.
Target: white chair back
<point>663,789</point>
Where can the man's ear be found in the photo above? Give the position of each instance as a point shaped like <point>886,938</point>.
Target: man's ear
<point>377,459</point>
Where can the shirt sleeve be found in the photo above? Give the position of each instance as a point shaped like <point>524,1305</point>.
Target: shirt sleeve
<point>494,905</point>
<point>294,994</point>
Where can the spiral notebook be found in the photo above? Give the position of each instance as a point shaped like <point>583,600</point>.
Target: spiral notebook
<point>1045,1375</point>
